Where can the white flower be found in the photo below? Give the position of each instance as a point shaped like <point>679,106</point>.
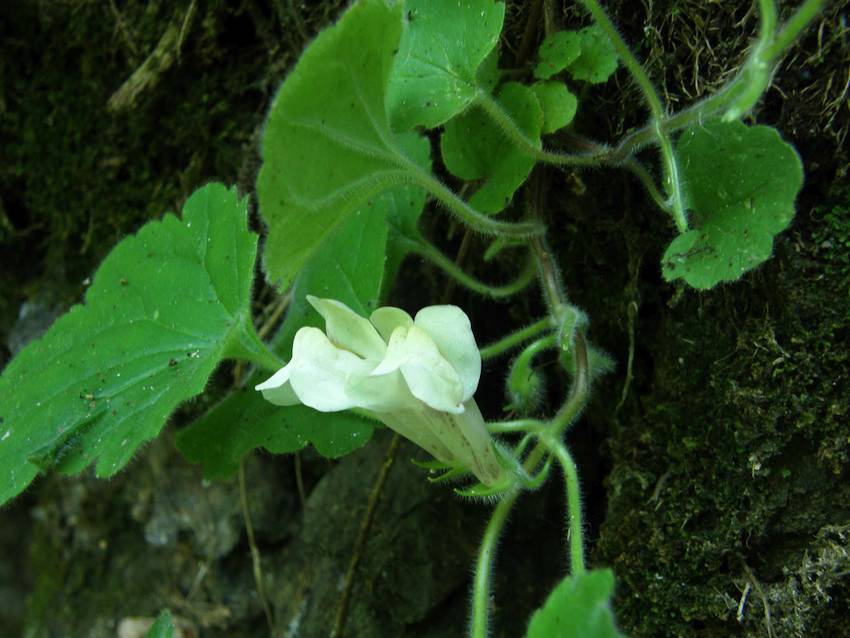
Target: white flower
<point>417,376</point>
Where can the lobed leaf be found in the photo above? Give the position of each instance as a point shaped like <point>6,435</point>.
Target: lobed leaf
<point>578,606</point>
<point>328,147</point>
<point>442,46</point>
<point>475,148</point>
<point>741,184</point>
<point>165,307</point>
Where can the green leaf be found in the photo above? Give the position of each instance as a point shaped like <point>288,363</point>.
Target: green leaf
<point>558,104</point>
<point>578,606</point>
<point>741,184</point>
<point>489,73</point>
<point>349,267</point>
<point>405,206</point>
<point>328,147</point>
<point>165,307</point>
<point>244,421</point>
<point>475,148</point>
<point>163,627</point>
<point>597,61</point>
<point>442,46</point>
<point>556,53</point>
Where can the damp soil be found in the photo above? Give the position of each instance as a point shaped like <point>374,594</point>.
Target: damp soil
<point>715,480</point>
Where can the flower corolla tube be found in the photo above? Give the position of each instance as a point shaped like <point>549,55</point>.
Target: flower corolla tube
<point>416,375</point>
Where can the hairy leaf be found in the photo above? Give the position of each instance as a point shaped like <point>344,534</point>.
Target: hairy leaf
<point>475,148</point>
<point>404,207</point>
<point>556,53</point>
<point>442,46</point>
<point>578,606</point>
<point>741,184</point>
<point>165,307</point>
<point>558,104</point>
<point>597,60</point>
<point>328,147</point>
<point>349,267</point>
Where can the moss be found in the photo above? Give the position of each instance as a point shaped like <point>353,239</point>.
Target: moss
<point>831,238</point>
<point>735,460</point>
<point>78,176</point>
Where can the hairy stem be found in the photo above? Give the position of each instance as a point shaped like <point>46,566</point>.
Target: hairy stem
<point>528,145</point>
<point>767,21</point>
<point>572,407</point>
<point>575,525</point>
<point>640,171</point>
<point>566,415</point>
<point>714,104</point>
<point>517,425</point>
<point>579,390</point>
<point>515,339</point>
<point>807,12</point>
<point>631,63</point>
<point>484,565</point>
<point>522,363</point>
<point>672,179</point>
<point>550,280</point>
<point>466,213</point>
<point>430,252</point>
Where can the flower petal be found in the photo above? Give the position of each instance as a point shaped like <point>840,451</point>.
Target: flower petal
<point>397,354</point>
<point>277,389</point>
<point>483,460</point>
<point>413,425</point>
<point>381,393</point>
<point>387,318</point>
<point>451,331</point>
<point>429,376</point>
<point>467,437</point>
<point>321,373</point>
<point>349,330</point>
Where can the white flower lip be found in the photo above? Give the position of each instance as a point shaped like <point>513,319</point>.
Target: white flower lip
<point>417,376</point>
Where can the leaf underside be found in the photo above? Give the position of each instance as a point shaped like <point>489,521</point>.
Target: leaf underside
<point>328,147</point>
